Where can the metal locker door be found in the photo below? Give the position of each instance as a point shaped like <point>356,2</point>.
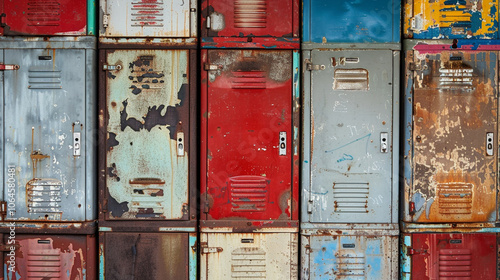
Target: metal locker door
<point>46,132</point>
<point>249,139</point>
<point>463,19</point>
<point>351,176</point>
<point>454,136</point>
<point>147,107</point>
<point>148,18</point>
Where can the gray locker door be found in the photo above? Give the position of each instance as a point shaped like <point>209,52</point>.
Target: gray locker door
<point>351,139</point>
<point>44,133</point>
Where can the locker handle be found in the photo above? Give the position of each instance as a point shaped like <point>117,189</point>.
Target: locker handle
<point>147,181</point>
<point>180,144</point>
<point>489,144</point>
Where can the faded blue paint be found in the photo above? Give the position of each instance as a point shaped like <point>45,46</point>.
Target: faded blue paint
<point>405,259</point>
<point>105,229</point>
<point>359,21</point>
<point>101,262</point>
<point>193,260</point>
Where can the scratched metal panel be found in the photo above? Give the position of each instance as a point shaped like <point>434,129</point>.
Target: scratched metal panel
<point>248,256</point>
<point>43,17</point>
<point>454,136</point>
<point>47,134</point>
<point>363,21</point>
<point>248,135</point>
<point>350,257</point>
<point>148,18</point>
<point>351,139</point>
<point>453,256</point>
<point>61,257</point>
<point>138,256</point>
<point>467,19</point>
<point>147,103</point>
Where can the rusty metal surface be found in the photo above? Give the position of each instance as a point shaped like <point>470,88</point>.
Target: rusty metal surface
<point>249,255</point>
<point>64,257</point>
<point>450,173</point>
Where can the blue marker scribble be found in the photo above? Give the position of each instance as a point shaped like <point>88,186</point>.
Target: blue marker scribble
<point>354,141</point>
<point>345,157</point>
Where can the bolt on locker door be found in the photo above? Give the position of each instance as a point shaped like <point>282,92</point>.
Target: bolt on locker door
<point>454,137</point>
<point>147,105</point>
<point>463,19</point>
<point>148,18</point>
<point>46,134</point>
<point>351,137</point>
<point>249,138</point>
<point>248,256</point>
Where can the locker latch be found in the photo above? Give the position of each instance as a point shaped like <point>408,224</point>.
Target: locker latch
<point>77,139</point>
<point>8,247</point>
<point>311,67</point>
<point>3,209</point>
<point>282,143</point>
<point>208,250</point>
<point>414,67</point>
<point>112,67</point>
<point>211,67</point>
<point>384,142</point>
<point>411,251</point>
<point>105,21</point>
<point>489,144</point>
<point>180,144</point>
<point>8,67</point>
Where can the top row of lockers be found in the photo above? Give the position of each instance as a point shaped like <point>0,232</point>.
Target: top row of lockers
<point>323,21</point>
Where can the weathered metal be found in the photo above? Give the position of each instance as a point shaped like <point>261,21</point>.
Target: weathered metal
<point>48,124</point>
<point>57,17</point>
<point>249,255</point>
<point>249,135</point>
<point>449,256</point>
<point>65,257</point>
<point>351,21</point>
<point>451,133</point>
<point>350,137</point>
<point>148,133</point>
<point>251,20</point>
<point>140,255</point>
<point>349,254</point>
<point>464,19</point>
<point>148,18</point>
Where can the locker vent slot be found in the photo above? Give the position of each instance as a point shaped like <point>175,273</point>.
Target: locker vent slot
<point>456,79</point>
<point>248,193</point>
<point>146,13</point>
<point>44,195</point>
<point>44,79</point>
<point>43,13</point>
<point>44,263</point>
<point>351,198</point>
<point>455,198</point>
<point>144,78</point>
<point>250,14</point>
<point>351,79</point>
<point>248,263</point>
<point>249,80</point>
<point>455,263</point>
<point>147,201</point>
<point>350,266</point>
<point>456,16</point>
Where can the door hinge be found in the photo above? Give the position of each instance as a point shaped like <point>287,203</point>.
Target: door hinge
<point>105,206</point>
<point>411,252</point>
<point>414,67</point>
<point>111,67</point>
<point>309,206</point>
<point>209,22</point>
<point>105,21</point>
<point>211,67</point>
<point>207,250</point>
<point>3,209</point>
<point>205,209</point>
<point>8,247</point>
<point>8,67</point>
<point>310,66</point>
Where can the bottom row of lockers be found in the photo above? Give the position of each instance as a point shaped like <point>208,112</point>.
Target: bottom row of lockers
<point>324,255</point>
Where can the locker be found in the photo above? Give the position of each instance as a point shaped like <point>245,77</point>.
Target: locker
<point>249,134</point>
<point>351,21</point>
<point>64,257</point>
<point>38,17</point>
<point>147,157</point>
<point>451,117</point>
<point>350,134</point>
<point>155,256</point>
<point>148,18</point>
<point>450,256</point>
<point>328,254</point>
<point>48,128</point>
<point>248,255</point>
<point>463,19</point>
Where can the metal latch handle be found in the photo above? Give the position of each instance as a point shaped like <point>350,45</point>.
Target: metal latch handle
<point>111,67</point>
<point>9,66</point>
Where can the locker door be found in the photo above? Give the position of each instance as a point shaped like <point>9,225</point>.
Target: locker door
<point>147,103</point>
<point>351,139</point>
<point>36,17</point>
<point>45,133</point>
<point>454,137</point>
<point>249,160</point>
<point>148,18</point>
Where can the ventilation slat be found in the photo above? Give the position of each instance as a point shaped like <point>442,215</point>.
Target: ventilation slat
<point>248,263</point>
<point>351,79</point>
<point>351,198</point>
<point>44,196</point>
<point>146,13</point>
<point>455,198</point>
<point>43,13</point>
<point>248,193</point>
<point>351,265</point>
<point>250,14</point>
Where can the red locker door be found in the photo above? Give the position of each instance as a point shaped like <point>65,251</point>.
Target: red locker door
<point>454,256</point>
<point>248,132</point>
<point>43,17</point>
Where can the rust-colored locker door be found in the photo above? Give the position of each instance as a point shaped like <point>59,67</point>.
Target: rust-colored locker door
<point>51,257</point>
<point>453,256</point>
<point>147,107</point>
<point>253,18</point>
<point>43,17</point>
<point>249,132</point>
<point>455,136</point>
